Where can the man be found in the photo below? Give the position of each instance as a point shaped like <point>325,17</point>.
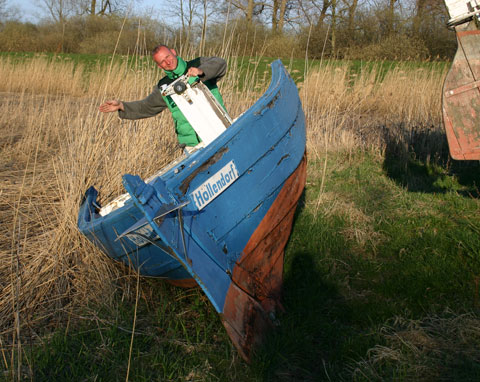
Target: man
<point>208,69</point>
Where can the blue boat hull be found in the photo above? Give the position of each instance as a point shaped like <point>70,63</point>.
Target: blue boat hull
<point>220,218</point>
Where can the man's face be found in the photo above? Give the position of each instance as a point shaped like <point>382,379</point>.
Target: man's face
<point>166,59</point>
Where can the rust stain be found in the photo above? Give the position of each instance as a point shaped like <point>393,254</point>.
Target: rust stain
<point>462,89</point>
<point>468,33</point>
<point>204,166</point>
<point>255,293</point>
<point>243,311</point>
<point>282,158</point>
<point>269,105</point>
<point>257,208</point>
<point>183,283</point>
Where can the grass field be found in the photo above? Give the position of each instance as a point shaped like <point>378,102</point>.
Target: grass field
<point>381,271</point>
<point>253,69</point>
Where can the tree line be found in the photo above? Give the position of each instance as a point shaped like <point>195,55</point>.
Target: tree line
<point>355,29</point>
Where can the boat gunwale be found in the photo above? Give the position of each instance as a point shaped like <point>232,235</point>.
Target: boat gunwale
<point>194,160</point>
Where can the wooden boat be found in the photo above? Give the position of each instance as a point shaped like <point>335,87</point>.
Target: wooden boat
<point>219,217</point>
<point>461,89</point>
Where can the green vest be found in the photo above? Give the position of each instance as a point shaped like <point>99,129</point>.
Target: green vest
<point>185,132</point>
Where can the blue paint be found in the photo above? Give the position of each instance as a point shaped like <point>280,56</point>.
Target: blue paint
<point>265,145</point>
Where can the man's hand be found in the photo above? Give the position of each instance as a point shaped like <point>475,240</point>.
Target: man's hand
<point>195,72</point>
<point>112,105</point>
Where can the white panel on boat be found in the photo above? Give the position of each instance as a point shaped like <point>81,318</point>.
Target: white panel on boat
<point>200,108</point>
<point>116,203</point>
<point>462,9</point>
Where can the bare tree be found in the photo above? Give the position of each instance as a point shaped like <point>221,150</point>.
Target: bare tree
<point>9,12</point>
<point>3,9</point>
<point>104,7</point>
<point>279,8</point>
<point>209,10</point>
<point>322,7</point>
<point>351,8</point>
<point>302,11</point>
<point>204,25</point>
<point>425,10</point>
<point>388,14</point>
<point>391,16</point>
<point>334,26</point>
<point>59,10</point>
<point>249,8</point>
<point>185,10</point>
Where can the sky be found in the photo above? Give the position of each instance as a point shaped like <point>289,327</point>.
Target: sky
<point>31,11</point>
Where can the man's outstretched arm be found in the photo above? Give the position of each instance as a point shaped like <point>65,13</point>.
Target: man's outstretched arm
<point>145,108</point>
<point>111,105</point>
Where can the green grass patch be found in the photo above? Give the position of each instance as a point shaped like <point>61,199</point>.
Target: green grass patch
<point>381,283</point>
<point>365,250</point>
<point>88,61</point>
<point>257,68</point>
<point>178,336</point>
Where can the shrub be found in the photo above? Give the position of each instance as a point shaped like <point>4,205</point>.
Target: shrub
<point>395,47</point>
<point>282,45</point>
<point>19,37</point>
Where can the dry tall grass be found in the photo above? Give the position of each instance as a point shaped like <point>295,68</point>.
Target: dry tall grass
<point>55,144</point>
<point>421,350</point>
<point>346,110</point>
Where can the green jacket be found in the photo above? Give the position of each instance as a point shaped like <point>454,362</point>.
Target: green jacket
<point>213,68</point>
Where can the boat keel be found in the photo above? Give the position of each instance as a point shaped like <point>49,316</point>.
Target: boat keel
<point>254,296</point>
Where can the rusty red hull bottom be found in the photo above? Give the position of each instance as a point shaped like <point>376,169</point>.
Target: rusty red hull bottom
<point>254,296</point>
<point>183,283</point>
<point>461,96</point>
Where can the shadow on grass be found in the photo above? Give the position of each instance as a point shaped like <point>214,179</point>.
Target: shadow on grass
<point>318,329</point>
<point>419,160</point>
<point>338,296</point>
<point>313,336</point>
